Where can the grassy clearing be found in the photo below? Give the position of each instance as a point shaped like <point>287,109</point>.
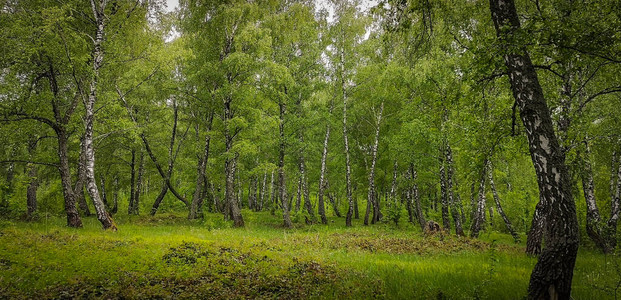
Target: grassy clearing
<point>171,257</point>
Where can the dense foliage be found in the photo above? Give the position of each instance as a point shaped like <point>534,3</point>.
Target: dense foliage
<point>400,111</point>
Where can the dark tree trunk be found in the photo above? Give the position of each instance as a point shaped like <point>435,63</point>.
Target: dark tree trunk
<point>416,196</point>
<point>159,199</point>
<point>104,195</point>
<point>508,224</point>
<point>535,234</point>
<point>138,191</point>
<point>132,184</point>
<point>73,218</point>
<point>282,193</point>
<point>166,185</point>
<point>115,196</point>
<point>31,191</point>
<point>446,223</point>
<point>78,190</point>
<point>453,203</point>
<point>335,205</point>
<point>614,212</point>
<point>272,194</point>
<point>201,177</point>
<point>231,209</point>
<point>263,191</point>
<point>33,184</point>
<point>409,200</point>
<point>553,273</point>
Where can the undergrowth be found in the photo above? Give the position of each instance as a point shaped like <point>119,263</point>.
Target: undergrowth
<point>168,256</point>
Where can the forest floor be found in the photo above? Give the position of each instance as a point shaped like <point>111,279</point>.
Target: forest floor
<point>168,256</point>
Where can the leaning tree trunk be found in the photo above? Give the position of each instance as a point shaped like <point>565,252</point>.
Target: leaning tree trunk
<point>282,193</point>
<point>89,118</point>
<point>479,215</point>
<point>508,224</point>
<point>335,205</point>
<point>166,185</point>
<point>553,273</point>
<point>451,195</point>
<point>593,218</point>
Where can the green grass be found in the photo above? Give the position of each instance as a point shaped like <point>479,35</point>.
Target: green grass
<point>168,256</point>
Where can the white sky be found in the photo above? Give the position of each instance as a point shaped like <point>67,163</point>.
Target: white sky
<point>171,4</point>
<point>364,4</point>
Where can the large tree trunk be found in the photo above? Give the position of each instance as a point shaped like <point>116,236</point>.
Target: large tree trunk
<point>282,193</point>
<point>231,210</point>
<point>201,176</point>
<point>451,194</point>
<point>508,224</point>
<point>89,118</point>
<point>535,234</point>
<point>553,273</point>
<point>479,215</point>
<point>73,218</point>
